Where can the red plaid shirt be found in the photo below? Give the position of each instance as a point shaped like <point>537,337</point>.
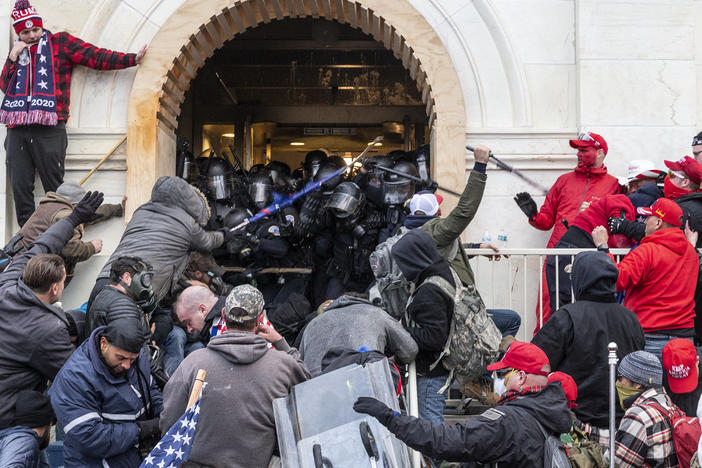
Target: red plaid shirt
<point>69,51</point>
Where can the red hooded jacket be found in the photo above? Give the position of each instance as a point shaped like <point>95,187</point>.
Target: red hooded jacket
<point>659,277</point>
<point>599,212</point>
<point>568,193</point>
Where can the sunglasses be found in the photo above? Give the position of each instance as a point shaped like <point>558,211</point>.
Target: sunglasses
<point>586,137</point>
<point>680,175</point>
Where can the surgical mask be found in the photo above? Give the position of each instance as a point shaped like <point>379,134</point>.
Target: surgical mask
<point>499,386</point>
<point>625,392</point>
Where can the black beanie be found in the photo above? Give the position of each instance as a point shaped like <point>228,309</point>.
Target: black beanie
<point>127,332</point>
<point>33,409</point>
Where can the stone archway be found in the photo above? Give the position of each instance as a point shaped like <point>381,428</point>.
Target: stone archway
<point>191,35</point>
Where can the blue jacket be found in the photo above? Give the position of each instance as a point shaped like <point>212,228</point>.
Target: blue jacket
<point>19,448</point>
<point>98,411</point>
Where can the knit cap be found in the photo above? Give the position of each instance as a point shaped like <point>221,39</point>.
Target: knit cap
<point>71,191</point>
<point>25,16</point>
<point>643,368</point>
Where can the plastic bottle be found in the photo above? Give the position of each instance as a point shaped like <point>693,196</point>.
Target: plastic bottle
<point>501,239</point>
<point>486,237</point>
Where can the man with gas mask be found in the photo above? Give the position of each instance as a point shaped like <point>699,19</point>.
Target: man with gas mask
<point>355,237</point>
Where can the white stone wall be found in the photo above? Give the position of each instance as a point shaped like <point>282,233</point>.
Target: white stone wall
<point>533,73</point>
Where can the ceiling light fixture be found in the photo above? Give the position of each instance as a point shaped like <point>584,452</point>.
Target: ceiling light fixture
<point>297,143</point>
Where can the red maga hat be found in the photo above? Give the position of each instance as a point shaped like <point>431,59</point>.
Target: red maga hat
<point>587,139</point>
<point>680,363</point>
<point>525,357</point>
<point>664,209</point>
<point>569,386</point>
<point>687,165</point>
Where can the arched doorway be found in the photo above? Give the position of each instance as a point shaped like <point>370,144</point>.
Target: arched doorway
<point>191,35</point>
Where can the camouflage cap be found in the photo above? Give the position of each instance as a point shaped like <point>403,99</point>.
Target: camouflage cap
<point>243,303</point>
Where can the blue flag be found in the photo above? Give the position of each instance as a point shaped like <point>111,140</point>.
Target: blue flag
<point>174,447</point>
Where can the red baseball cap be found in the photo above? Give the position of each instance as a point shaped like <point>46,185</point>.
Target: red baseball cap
<point>587,139</point>
<point>569,386</point>
<point>686,164</point>
<point>680,363</point>
<point>664,209</point>
<point>526,357</point>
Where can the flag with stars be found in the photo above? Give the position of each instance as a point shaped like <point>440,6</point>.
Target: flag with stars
<point>174,447</point>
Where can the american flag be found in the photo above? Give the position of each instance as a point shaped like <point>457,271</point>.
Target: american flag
<point>174,447</point>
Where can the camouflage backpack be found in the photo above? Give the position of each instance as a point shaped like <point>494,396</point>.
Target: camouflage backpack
<point>391,290</point>
<point>473,339</point>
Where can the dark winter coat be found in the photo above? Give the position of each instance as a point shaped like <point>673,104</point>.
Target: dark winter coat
<point>353,322</point>
<point>236,427</point>
<point>165,230</point>
<point>98,411</point>
<point>575,338</point>
<point>430,311</point>
<point>109,304</point>
<point>508,435</point>
<point>34,340</point>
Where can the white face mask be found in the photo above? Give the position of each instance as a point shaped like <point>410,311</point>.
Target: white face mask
<point>499,386</point>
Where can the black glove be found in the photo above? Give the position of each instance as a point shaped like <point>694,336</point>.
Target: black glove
<point>631,229</point>
<point>84,211</point>
<point>148,429</point>
<point>228,235</point>
<point>616,224</point>
<point>375,408</point>
<point>526,204</point>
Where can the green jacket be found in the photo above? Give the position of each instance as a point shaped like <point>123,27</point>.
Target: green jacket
<point>446,232</point>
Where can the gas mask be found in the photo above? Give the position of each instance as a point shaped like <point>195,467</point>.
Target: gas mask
<point>140,288</point>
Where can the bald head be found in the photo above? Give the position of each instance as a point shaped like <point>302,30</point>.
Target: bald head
<point>193,305</point>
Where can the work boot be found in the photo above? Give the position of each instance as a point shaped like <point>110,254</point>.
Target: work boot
<point>504,344</point>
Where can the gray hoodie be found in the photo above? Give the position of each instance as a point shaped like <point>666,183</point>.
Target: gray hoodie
<point>352,322</point>
<point>165,230</point>
<point>236,427</point>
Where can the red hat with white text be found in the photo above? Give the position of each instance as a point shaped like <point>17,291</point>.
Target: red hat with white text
<point>680,364</point>
<point>25,16</point>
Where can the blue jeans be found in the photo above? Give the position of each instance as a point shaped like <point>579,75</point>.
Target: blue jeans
<point>177,347</point>
<point>19,446</point>
<point>656,343</point>
<point>431,403</point>
<point>507,321</point>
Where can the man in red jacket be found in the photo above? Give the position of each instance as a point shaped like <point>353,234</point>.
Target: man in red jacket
<point>659,276</point>
<point>36,80</point>
<point>572,193</point>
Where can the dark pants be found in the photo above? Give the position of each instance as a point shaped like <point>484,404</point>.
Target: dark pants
<point>30,148</point>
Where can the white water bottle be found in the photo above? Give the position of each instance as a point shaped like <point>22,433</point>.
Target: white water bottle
<point>486,237</point>
<point>501,239</point>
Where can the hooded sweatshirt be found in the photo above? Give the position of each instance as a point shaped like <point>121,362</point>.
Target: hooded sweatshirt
<point>165,230</point>
<point>508,435</point>
<point>599,212</point>
<point>659,278</point>
<point>430,310</point>
<point>584,329</point>
<point>236,428</point>
<point>353,322</point>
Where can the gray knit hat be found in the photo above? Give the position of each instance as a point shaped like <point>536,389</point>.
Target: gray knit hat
<point>72,191</point>
<point>643,368</point>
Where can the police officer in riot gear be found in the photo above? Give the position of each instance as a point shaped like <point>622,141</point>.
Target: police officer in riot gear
<point>313,160</point>
<point>370,178</point>
<point>219,179</point>
<point>355,237</point>
<point>280,175</point>
<point>260,189</point>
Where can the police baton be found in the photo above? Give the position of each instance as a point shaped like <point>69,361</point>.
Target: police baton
<point>503,165</point>
<point>416,179</point>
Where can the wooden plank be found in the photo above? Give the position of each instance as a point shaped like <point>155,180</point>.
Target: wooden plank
<point>238,21</point>
<point>179,81</point>
<point>406,54</point>
<point>166,120</point>
<point>263,11</point>
<point>290,8</point>
<point>199,47</point>
<point>377,28</point>
<point>192,58</point>
<point>352,15</point>
<point>421,76</point>
<point>186,70</point>
<point>233,27</point>
<point>430,108</point>
<point>215,35</point>
<point>425,93</point>
<point>223,33</point>
<point>170,102</point>
<point>300,8</point>
<point>396,44</point>
<point>224,26</point>
<point>414,65</point>
<point>313,8</point>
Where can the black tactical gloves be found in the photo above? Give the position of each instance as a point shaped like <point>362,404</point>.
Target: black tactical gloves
<point>375,408</point>
<point>84,211</point>
<point>148,429</point>
<point>526,204</point>
<point>631,229</point>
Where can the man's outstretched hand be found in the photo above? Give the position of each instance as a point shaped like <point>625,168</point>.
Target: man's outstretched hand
<point>375,408</point>
<point>84,211</point>
<point>526,204</point>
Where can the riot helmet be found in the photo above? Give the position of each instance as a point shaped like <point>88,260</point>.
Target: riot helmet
<point>238,245</point>
<point>399,155</point>
<point>313,161</point>
<point>326,169</point>
<point>346,201</point>
<point>219,179</point>
<point>236,216</point>
<point>260,189</point>
<point>398,189</point>
<point>256,168</point>
<point>280,173</point>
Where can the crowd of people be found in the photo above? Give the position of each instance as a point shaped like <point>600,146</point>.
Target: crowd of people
<point>361,262</point>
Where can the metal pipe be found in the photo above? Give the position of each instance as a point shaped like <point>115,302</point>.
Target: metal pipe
<point>413,406</point>
<point>612,360</point>
<point>503,165</point>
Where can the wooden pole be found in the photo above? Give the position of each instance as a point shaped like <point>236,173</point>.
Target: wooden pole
<point>199,382</point>
<point>100,163</point>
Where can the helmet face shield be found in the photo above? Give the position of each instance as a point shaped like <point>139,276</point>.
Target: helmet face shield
<point>343,204</point>
<point>260,194</point>
<point>397,193</point>
<point>219,187</point>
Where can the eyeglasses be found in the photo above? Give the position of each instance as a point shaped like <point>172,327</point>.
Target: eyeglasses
<point>586,137</point>
<point>678,174</point>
